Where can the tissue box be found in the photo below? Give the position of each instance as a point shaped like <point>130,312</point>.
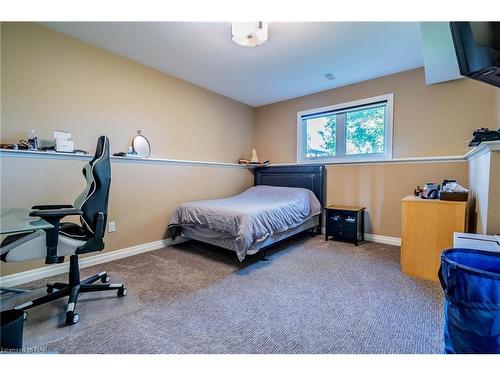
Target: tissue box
<point>63,141</point>
<point>64,145</point>
<point>453,196</point>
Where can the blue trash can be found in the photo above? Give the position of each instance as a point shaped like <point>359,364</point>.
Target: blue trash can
<point>471,282</point>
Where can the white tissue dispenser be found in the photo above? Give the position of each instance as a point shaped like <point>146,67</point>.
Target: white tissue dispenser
<point>63,141</point>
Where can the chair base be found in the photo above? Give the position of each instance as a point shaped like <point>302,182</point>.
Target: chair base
<point>72,289</point>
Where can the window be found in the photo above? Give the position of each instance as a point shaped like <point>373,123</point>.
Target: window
<point>354,131</point>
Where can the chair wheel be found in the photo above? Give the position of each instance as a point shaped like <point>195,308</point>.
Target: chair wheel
<point>105,279</point>
<point>72,318</point>
<point>122,292</point>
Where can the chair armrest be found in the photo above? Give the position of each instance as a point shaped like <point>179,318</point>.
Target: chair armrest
<point>56,213</point>
<point>51,206</point>
<point>54,216</point>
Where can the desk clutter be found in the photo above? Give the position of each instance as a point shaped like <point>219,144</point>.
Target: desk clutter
<point>254,160</point>
<point>449,190</point>
<point>484,135</point>
<point>62,142</point>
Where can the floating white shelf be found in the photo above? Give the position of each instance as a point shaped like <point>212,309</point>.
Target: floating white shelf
<point>118,159</point>
<point>473,153</point>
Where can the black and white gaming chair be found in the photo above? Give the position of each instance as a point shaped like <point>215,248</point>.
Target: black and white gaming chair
<point>69,238</point>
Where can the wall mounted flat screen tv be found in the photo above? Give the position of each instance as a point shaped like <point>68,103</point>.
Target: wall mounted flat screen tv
<point>477,46</point>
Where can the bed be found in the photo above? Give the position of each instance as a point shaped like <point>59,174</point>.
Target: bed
<point>284,201</point>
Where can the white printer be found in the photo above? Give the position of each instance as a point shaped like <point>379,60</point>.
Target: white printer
<point>476,241</point>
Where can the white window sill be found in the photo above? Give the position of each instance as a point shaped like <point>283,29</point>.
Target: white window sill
<point>347,160</point>
<point>422,159</point>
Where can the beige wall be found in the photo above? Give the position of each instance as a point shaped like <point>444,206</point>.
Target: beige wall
<point>143,195</point>
<point>51,81</point>
<point>428,120</point>
<point>380,187</point>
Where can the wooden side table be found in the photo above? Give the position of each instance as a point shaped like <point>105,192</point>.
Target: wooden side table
<point>345,223</point>
<point>427,229</point>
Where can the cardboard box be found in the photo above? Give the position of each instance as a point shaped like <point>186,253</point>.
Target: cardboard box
<point>456,196</point>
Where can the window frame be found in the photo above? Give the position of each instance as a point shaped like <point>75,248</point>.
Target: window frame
<point>341,156</point>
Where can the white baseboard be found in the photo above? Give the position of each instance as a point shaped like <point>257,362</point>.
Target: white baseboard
<point>56,269</point>
<point>396,241</point>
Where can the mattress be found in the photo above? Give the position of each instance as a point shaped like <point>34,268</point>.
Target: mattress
<point>227,242</point>
<point>250,218</point>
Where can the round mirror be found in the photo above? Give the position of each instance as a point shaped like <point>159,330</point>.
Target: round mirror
<point>141,145</point>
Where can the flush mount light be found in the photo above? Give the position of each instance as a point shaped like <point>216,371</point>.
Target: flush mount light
<point>249,34</point>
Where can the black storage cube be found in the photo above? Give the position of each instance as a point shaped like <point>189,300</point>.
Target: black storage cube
<point>11,334</point>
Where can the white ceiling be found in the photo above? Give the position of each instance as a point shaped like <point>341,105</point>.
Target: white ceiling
<point>291,63</point>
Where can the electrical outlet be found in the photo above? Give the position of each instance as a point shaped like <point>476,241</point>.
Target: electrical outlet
<point>111,226</point>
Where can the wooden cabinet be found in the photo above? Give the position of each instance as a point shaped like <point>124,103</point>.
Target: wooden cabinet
<point>427,230</point>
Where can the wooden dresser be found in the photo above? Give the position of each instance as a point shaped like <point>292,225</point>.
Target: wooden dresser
<point>427,230</point>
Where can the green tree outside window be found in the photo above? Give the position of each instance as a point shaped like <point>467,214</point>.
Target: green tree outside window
<point>365,131</point>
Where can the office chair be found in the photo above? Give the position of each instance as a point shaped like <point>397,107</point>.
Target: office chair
<point>68,238</point>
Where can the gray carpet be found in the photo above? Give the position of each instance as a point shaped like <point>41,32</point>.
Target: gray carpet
<point>312,296</point>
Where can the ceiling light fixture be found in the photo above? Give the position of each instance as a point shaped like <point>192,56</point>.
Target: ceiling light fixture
<point>329,76</point>
<point>249,34</point>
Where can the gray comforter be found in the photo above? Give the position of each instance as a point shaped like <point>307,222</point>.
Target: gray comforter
<point>252,216</point>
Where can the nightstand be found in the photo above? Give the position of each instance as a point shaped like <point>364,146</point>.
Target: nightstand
<point>345,223</point>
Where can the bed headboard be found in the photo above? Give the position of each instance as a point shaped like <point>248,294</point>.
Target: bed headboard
<point>312,177</point>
